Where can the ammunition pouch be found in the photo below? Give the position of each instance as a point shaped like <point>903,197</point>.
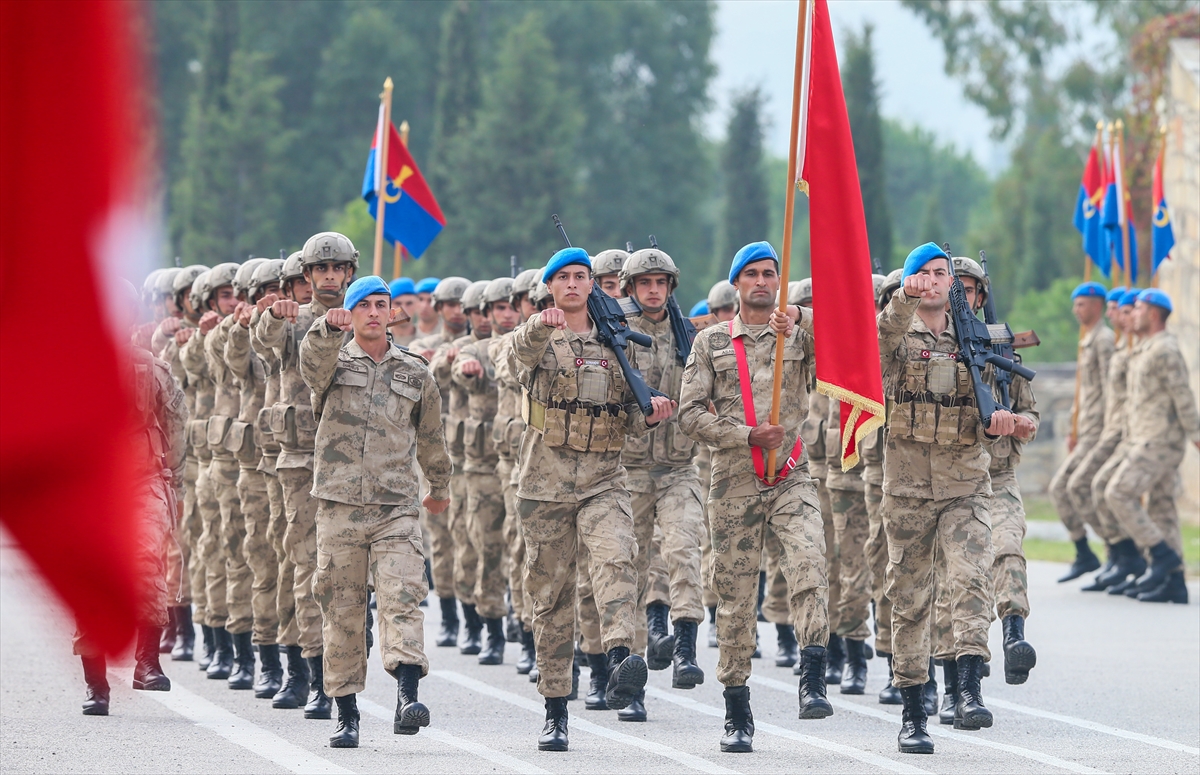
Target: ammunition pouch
<point>240,441</point>
<point>197,434</point>
<point>218,427</point>
<point>293,427</point>
<point>581,427</point>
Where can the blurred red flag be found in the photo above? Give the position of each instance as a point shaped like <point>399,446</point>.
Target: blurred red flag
<point>69,144</point>
<point>847,340</point>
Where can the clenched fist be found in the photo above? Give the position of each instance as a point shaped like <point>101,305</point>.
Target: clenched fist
<point>917,285</point>
<point>183,335</point>
<point>285,309</point>
<point>435,506</point>
<point>339,319</point>
<point>781,322</point>
<point>170,326</point>
<point>472,368</point>
<point>766,436</point>
<point>266,302</point>
<point>209,321</point>
<point>242,314</point>
<point>553,317</point>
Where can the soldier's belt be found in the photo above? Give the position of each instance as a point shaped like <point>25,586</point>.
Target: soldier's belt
<point>907,397</point>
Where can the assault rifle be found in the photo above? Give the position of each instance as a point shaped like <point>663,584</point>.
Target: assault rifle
<point>975,348</point>
<point>614,332</point>
<point>1004,341</point>
<point>682,329</point>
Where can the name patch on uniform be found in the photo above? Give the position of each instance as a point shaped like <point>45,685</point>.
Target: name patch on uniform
<point>601,362</point>
<point>725,351</point>
<point>928,354</point>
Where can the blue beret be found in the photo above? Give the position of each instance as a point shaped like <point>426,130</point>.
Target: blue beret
<point>566,257</point>
<point>427,285</point>
<point>699,308</point>
<point>1129,297</point>
<point>402,286</point>
<point>1116,293</point>
<point>919,257</point>
<point>755,251</point>
<point>1157,298</point>
<point>364,287</point>
<point>1089,289</point>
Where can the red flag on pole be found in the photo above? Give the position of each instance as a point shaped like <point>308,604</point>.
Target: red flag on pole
<point>69,144</point>
<point>847,340</point>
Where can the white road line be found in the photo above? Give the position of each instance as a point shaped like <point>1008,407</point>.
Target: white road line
<point>239,731</point>
<point>576,723</point>
<point>482,751</point>
<point>935,731</point>
<point>867,757</point>
<point>1095,727</point>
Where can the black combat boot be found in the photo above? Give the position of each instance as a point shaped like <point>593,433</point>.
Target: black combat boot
<point>635,710</point>
<point>1106,576</point>
<point>222,660</point>
<point>448,635</point>
<point>789,650</point>
<point>208,647</point>
<point>411,714</point>
<point>969,712</point>
<point>294,692</point>
<point>167,640</point>
<point>346,734</point>
<point>598,684</point>
<point>1163,562</point>
<point>686,674</point>
<point>1086,561</point>
<point>370,630</point>
<point>659,643</point>
<point>1127,561</point>
<point>1173,590</point>
<point>739,721</point>
<point>626,677</point>
<point>712,627</point>
<point>889,694</point>
<point>950,695</point>
<point>184,647</point>
<point>534,673</point>
<point>493,653</point>
<point>528,653</point>
<point>319,705</point>
<point>931,690</point>
<point>242,675</point>
<point>554,734</point>
<point>95,700</point>
<point>835,655</point>
<point>512,627</point>
<point>575,671</point>
<point>913,737</point>
<point>762,594</point>
<point>813,702</point>
<point>271,678</point>
<point>854,681</point>
<point>147,673</point>
<point>1019,656</point>
<point>472,642</point>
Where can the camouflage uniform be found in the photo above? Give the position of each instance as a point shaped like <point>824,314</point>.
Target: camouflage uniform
<point>1095,351</point>
<point>704,464</point>
<point>876,549</point>
<point>374,417</point>
<point>814,433</point>
<point>851,527</point>
<point>741,508</point>
<point>1111,449</point>
<point>1162,420</point>
<point>185,577</point>
<point>933,449</point>
<point>569,498</point>
<point>507,429</point>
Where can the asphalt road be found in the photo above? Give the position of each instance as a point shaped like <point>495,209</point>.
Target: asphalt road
<point>1116,690</point>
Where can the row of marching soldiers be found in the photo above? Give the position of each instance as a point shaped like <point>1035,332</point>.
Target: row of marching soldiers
<point>326,413</point>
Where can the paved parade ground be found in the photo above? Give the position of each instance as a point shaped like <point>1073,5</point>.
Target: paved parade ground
<point>1116,690</point>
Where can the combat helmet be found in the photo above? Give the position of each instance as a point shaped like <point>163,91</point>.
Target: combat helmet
<point>450,289</point>
<point>264,274</point>
<point>971,268</point>
<point>329,247</point>
<point>293,268</point>
<point>894,280</point>
<point>241,280</point>
<point>800,292</point>
<point>217,277</point>
<point>500,289</point>
<point>540,291</point>
<point>722,295</point>
<point>185,278</point>
<point>150,286</point>
<point>609,262</point>
<point>648,261</point>
<point>877,281</point>
<point>472,297</point>
<point>164,286</point>
<point>525,282</point>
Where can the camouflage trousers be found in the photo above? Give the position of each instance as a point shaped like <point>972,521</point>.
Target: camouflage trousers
<point>288,633</point>
<point>353,541</point>
<point>706,559</point>
<point>1153,470</point>
<point>1060,493</point>
<point>260,554</point>
<point>190,528</point>
<point>658,586</point>
<point>300,543</point>
<point>441,546</point>
<point>587,615</point>
<point>554,533</point>
<point>514,539</point>
<point>776,604</point>
<point>877,561</point>
<point>917,529</point>
<point>208,549</point>
<point>739,532</point>
<point>466,559</point>
<point>851,528</point>
<point>239,579</point>
<point>674,507</point>
<point>1080,491</point>
<point>485,525</point>
<point>833,565</point>
<point>1110,527</point>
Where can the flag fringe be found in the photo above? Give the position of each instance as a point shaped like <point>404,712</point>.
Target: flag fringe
<point>858,405</point>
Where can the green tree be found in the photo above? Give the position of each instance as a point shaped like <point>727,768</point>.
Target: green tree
<point>932,227</point>
<point>745,213</point>
<point>862,106</point>
<point>458,96</point>
<point>1048,313</point>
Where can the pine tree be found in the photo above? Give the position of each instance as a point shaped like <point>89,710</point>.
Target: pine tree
<point>862,105</point>
<point>745,215</point>
<point>458,95</point>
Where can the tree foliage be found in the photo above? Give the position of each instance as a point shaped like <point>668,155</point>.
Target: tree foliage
<point>745,215</point>
<point>862,106</point>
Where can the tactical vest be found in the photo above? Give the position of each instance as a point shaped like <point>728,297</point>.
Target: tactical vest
<point>933,401</point>
<point>579,404</point>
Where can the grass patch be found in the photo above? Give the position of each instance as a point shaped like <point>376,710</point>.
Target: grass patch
<point>1040,510</point>
<point>1062,551</point>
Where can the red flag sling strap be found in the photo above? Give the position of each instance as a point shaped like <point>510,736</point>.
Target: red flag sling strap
<point>760,467</point>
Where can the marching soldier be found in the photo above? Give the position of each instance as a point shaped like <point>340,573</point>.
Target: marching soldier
<point>606,269</point>
<point>429,322</point>
<point>572,488</point>
<point>378,407</point>
<point>1095,349</point>
<point>404,297</point>
<point>731,369</point>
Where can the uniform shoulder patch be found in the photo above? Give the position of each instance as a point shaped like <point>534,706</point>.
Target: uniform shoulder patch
<point>414,355</point>
<point>720,340</point>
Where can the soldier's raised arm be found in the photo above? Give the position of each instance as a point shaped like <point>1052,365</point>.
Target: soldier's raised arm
<point>529,344</point>
<point>237,351</point>
<point>893,324</point>
<point>191,355</point>
<point>472,383</point>
<point>319,359</point>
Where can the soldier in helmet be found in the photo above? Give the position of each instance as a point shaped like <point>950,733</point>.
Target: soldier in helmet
<point>474,372</point>
<point>723,301</point>
<point>328,262</point>
<point>606,268</point>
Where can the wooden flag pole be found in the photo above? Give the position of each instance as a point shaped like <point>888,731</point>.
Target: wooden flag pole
<point>789,210</point>
<point>398,257</point>
<point>382,159</point>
